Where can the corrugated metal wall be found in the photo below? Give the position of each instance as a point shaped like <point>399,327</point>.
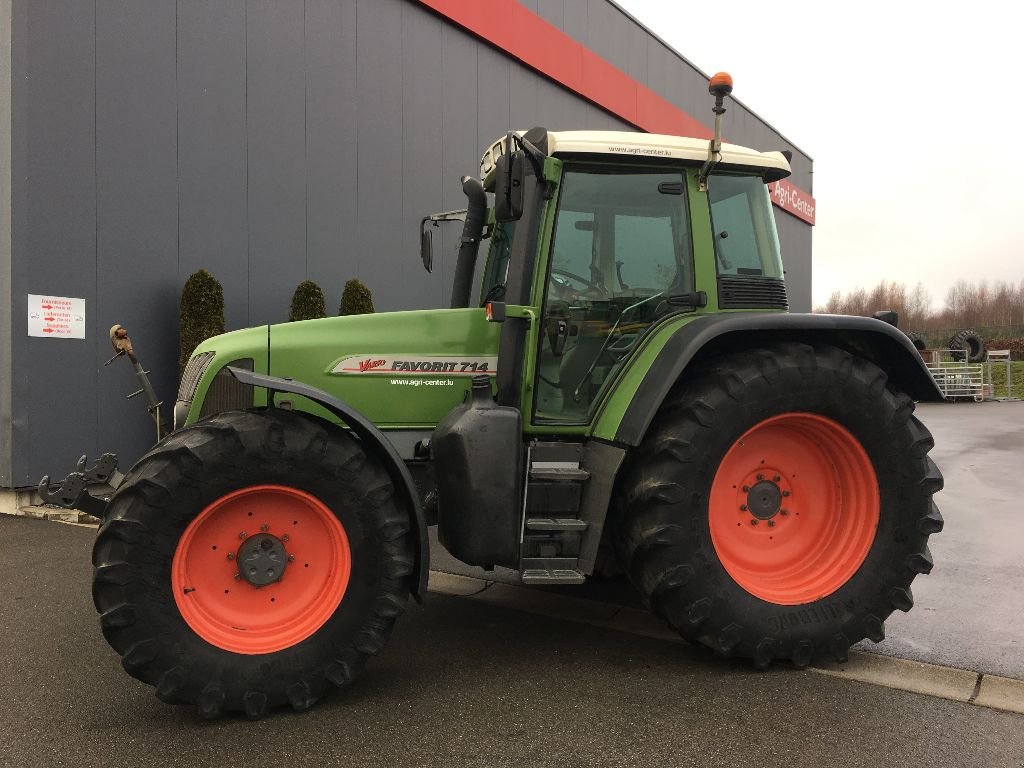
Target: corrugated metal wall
<point>267,141</point>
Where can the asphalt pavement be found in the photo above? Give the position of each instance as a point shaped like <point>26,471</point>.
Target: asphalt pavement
<point>471,682</point>
<point>462,683</point>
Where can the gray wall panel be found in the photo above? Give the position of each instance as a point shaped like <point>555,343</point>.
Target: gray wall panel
<point>54,223</point>
<point>576,19</point>
<point>493,96</point>
<point>268,141</point>
<point>379,108</point>
<point>331,130</point>
<point>795,241</point>
<point>422,150</point>
<point>136,202</point>
<point>6,412</point>
<point>276,125</point>
<point>212,152</point>
<point>459,109</point>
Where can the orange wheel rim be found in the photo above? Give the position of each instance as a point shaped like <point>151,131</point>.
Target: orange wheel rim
<point>794,508</point>
<point>261,569</point>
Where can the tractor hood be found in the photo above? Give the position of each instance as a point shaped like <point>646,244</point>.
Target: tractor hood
<point>399,369</point>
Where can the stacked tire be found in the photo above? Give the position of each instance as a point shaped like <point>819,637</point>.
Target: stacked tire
<point>969,342</point>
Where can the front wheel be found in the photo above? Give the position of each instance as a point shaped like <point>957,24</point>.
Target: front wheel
<point>252,560</point>
<point>780,505</point>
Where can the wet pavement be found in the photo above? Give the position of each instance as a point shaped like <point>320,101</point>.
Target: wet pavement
<point>477,683</point>
<point>462,683</point>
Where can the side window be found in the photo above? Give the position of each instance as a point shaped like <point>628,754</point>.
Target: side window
<point>746,243</point>
<point>651,235</point>
<point>573,252</point>
<point>621,248</point>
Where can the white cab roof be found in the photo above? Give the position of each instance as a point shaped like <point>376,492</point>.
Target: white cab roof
<point>648,145</point>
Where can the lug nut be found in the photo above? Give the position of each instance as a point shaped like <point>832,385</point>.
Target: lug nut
<point>785,493</point>
<point>760,477</point>
<point>242,534</point>
<point>238,576</point>
<point>783,512</point>
<point>771,523</point>
<point>231,555</point>
<point>743,507</point>
<point>264,527</point>
<point>746,489</point>
<point>285,537</point>
<point>753,522</point>
<point>291,558</point>
<point>776,478</point>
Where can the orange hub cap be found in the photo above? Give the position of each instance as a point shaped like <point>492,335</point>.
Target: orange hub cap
<point>261,569</point>
<point>794,508</point>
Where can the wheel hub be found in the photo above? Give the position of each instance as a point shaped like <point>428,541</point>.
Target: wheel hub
<point>262,559</point>
<point>764,500</point>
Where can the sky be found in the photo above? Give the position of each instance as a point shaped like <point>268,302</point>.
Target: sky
<point>912,113</point>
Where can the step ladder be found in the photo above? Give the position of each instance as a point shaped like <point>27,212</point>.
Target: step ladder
<point>552,530</point>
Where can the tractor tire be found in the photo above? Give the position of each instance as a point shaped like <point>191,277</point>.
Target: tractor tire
<point>917,340</point>
<point>313,521</point>
<point>971,343</point>
<point>780,505</point>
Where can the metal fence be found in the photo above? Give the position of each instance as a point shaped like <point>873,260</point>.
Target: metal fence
<point>956,378</point>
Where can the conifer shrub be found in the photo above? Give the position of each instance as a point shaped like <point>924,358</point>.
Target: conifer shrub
<point>307,302</point>
<point>356,299</point>
<point>201,313</point>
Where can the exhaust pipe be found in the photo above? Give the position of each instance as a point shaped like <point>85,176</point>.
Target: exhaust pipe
<point>476,217</point>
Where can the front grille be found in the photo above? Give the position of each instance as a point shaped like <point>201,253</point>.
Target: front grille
<point>194,371</point>
<point>226,393</point>
<point>749,292</point>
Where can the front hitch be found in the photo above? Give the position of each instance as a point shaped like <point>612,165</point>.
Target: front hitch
<point>73,491</point>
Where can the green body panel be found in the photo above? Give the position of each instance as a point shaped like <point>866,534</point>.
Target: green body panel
<point>343,356</point>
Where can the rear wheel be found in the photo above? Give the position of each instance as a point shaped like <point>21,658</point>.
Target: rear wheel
<point>780,505</point>
<point>252,560</point>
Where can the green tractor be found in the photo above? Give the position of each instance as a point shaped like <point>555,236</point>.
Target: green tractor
<point>624,388</point>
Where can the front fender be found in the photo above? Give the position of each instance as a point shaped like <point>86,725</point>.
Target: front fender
<point>377,444</point>
<point>885,346</point>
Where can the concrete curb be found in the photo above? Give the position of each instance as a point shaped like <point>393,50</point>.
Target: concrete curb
<point>40,512</point>
<point>962,685</point>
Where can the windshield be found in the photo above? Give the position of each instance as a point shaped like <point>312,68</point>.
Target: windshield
<point>620,250</point>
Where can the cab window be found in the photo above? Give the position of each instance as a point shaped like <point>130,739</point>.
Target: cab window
<point>621,248</point>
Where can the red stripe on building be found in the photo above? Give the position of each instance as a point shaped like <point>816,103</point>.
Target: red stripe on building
<point>522,34</point>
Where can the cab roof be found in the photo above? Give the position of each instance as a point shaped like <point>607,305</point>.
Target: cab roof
<point>772,166</point>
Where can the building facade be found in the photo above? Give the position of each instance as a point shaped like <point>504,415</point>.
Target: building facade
<point>271,141</point>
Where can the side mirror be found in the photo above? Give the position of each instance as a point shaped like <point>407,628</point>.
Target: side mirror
<point>508,186</point>
<point>426,245</point>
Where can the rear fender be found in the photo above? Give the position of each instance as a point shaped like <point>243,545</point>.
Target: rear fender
<point>881,343</point>
<point>375,442</point>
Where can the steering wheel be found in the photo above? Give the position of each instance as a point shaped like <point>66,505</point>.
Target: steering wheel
<point>566,275</point>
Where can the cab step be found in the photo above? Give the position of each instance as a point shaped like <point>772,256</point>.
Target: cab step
<point>552,528</point>
<point>555,524</point>
<point>538,571</point>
